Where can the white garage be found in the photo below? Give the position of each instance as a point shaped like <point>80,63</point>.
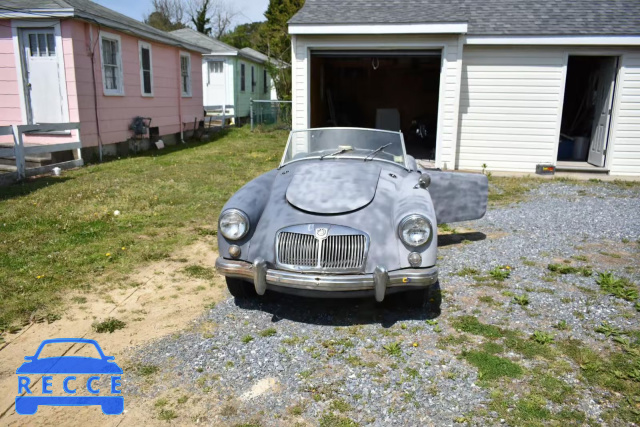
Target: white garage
<point>538,83</point>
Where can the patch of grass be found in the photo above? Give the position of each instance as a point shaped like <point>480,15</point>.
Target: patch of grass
<point>108,325</point>
<point>340,405</point>
<point>529,348</point>
<point>562,325</point>
<point>331,420</point>
<point>522,300</point>
<point>450,340</point>
<point>147,370</point>
<point>569,269</point>
<point>296,410</point>
<point>199,272</point>
<point>608,330</point>
<point>61,228</point>
<point>618,287</point>
<point>472,325</point>
<point>507,190</point>
<point>542,337</point>
<point>467,271</point>
<point>492,348</point>
<point>488,300</point>
<point>167,414</point>
<point>79,300</point>
<point>580,258</point>
<point>500,273</point>
<point>393,349</point>
<point>182,399</point>
<point>247,339</point>
<point>268,332</point>
<point>160,402</point>
<point>491,367</point>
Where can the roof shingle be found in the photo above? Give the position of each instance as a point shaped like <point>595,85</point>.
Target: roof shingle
<point>485,17</point>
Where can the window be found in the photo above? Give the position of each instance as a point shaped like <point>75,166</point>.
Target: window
<point>111,64</point>
<point>265,81</point>
<point>146,75</point>
<point>185,73</point>
<point>41,44</point>
<point>253,79</point>
<point>216,67</point>
<point>242,78</point>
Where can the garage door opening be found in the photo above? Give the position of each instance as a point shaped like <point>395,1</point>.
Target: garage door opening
<point>586,113</point>
<point>381,90</point>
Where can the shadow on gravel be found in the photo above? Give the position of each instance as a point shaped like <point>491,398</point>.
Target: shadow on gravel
<point>454,239</point>
<point>337,312</point>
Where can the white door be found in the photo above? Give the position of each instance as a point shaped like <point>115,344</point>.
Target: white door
<point>603,101</point>
<point>43,91</point>
<point>216,84</point>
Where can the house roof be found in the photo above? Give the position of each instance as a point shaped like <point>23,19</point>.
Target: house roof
<point>484,17</point>
<point>216,47</point>
<point>92,12</point>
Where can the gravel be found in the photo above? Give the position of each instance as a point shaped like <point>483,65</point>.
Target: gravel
<point>325,353</point>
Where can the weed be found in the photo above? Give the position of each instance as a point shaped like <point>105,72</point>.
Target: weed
<point>492,348</point>
<point>500,273</point>
<point>228,411</point>
<point>580,258</point>
<point>147,370</point>
<point>182,399</point>
<point>412,372</point>
<point>109,325</point>
<point>608,330</point>
<point>329,419</point>
<point>488,300</point>
<point>491,367</point>
<point>268,332</point>
<point>247,339</point>
<point>562,325</point>
<point>569,269</point>
<point>340,406</point>
<point>542,337</point>
<point>160,403</point>
<point>167,414</point>
<point>79,300</point>
<point>618,287</point>
<point>432,322</point>
<point>522,300</point>
<point>472,325</point>
<point>393,349</point>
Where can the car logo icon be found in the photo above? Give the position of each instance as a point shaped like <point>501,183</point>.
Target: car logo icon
<point>69,366</point>
<point>321,233</point>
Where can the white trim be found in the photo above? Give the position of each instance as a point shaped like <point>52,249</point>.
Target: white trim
<point>615,112</point>
<point>105,91</point>
<point>37,13</point>
<point>145,45</point>
<point>563,89</point>
<point>359,29</point>
<point>456,108</point>
<point>220,54</point>
<point>555,40</point>
<point>188,93</point>
<point>16,26</point>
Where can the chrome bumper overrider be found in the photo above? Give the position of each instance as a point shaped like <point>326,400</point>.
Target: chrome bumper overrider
<point>379,281</point>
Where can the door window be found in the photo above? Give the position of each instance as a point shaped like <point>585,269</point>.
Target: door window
<point>41,44</point>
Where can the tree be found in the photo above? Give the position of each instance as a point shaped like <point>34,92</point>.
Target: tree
<point>278,42</point>
<point>167,15</point>
<point>247,35</point>
<point>215,12</point>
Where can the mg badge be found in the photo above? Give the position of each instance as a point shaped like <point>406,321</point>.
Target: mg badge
<point>322,233</point>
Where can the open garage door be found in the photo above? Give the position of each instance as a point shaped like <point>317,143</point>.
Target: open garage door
<point>392,90</point>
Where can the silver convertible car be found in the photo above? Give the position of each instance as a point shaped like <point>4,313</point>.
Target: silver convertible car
<point>347,213</point>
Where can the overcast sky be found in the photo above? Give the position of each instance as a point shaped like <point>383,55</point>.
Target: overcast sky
<point>248,10</point>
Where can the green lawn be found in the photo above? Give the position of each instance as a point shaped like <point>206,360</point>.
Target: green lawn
<point>60,234</point>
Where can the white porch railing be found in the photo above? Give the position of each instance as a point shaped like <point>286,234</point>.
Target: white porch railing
<point>19,150</point>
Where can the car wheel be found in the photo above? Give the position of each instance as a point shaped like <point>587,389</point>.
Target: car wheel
<point>240,289</point>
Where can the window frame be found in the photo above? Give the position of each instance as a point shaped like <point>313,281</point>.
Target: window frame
<point>119,67</point>
<point>243,77</point>
<point>146,45</point>
<point>188,93</point>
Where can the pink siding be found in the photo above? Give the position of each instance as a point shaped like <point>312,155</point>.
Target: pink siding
<point>115,112</point>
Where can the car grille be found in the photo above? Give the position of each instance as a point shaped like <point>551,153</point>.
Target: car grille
<point>335,252</point>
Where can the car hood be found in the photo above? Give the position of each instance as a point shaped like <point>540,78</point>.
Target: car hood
<point>329,187</point>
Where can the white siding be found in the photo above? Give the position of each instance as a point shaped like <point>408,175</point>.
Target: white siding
<point>625,144</point>
<point>510,107</point>
<point>449,79</point>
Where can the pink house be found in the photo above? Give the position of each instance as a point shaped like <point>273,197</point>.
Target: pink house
<point>76,61</point>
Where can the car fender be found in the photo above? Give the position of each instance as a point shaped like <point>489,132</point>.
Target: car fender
<point>250,199</point>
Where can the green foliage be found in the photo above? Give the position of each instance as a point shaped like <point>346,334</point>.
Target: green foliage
<point>491,367</point>
<point>522,300</point>
<point>247,339</point>
<point>199,272</point>
<point>268,332</point>
<point>542,337</point>
<point>340,406</point>
<point>331,420</point>
<point>569,269</point>
<point>393,349</point>
<point>562,325</point>
<point>472,325</point>
<point>618,287</point>
<point>147,370</point>
<point>608,330</point>
<point>109,325</point>
<point>167,15</point>
<point>167,414</point>
<point>500,273</point>
<point>247,35</point>
<point>200,18</point>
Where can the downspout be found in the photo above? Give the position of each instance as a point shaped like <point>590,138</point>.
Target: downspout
<point>92,52</point>
<point>180,97</point>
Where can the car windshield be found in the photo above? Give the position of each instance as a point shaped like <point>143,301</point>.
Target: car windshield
<point>345,143</point>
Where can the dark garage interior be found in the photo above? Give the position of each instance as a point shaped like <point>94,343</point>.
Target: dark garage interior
<point>392,91</point>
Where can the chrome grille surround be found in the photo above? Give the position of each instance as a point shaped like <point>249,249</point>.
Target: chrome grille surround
<point>321,248</point>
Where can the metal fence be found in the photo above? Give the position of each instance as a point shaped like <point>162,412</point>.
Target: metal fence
<point>18,150</point>
<point>270,114</point>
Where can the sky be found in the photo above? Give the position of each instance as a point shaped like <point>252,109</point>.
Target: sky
<point>248,10</point>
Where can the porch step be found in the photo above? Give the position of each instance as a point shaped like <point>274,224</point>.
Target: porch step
<point>582,169</point>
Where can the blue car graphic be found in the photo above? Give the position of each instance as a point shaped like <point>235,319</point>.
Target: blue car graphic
<point>28,405</point>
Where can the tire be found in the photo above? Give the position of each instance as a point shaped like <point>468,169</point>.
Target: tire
<point>240,289</point>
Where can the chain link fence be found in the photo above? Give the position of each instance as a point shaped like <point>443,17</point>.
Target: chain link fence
<point>270,115</point>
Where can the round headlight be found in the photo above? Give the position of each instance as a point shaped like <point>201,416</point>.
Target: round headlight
<point>415,230</point>
<point>233,224</point>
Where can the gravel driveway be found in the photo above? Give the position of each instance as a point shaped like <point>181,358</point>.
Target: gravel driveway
<point>545,345</point>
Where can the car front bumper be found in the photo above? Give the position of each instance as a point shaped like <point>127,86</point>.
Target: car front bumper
<point>380,282</point>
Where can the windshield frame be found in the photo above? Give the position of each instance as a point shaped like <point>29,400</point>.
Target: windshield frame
<point>344,156</point>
